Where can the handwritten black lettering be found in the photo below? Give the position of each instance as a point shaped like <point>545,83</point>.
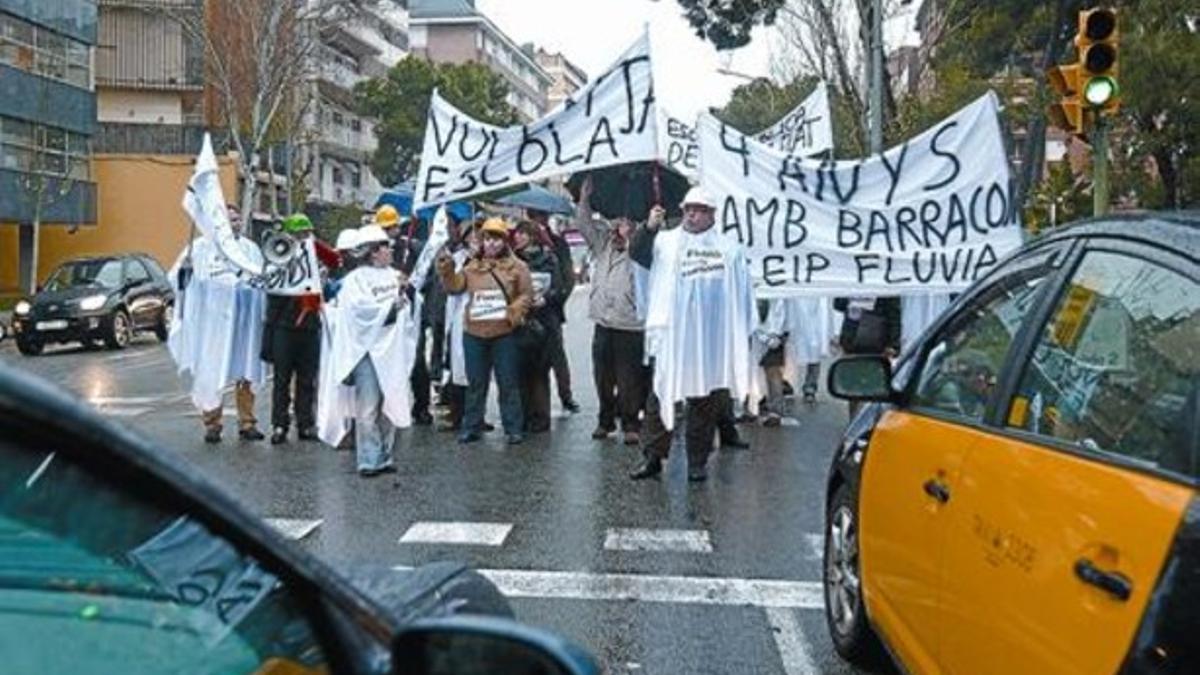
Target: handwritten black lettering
<point>954,163</point>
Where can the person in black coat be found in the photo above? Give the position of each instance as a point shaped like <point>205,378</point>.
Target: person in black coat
<point>542,334</point>
<point>566,265</point>
<point>292,344</point>
<point>871,326</point>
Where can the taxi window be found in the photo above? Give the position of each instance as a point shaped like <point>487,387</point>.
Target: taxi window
<point>1116,368</point>
<point>963,363</point>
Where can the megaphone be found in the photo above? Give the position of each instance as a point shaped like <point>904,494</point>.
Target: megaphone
<point>279,248</point>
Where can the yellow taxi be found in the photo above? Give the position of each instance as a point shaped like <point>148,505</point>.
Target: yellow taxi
<point>1019,496</point>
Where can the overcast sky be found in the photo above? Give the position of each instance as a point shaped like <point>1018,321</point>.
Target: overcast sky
<point>592,33</point>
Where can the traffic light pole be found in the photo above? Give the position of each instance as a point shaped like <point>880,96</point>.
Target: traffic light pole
<point>876,77</point>
<point>1100,187</point>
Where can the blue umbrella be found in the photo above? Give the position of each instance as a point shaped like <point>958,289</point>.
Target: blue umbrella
<point>539,198</point>
<point>401,197</point>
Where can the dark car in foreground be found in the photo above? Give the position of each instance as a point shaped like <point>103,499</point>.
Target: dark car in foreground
<point>117,558</point>
<point>96,300</point>
<point>1021,493</point>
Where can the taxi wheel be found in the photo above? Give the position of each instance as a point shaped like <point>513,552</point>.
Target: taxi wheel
<point>851,632</point>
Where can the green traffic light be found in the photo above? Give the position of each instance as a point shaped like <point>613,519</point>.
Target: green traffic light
<point>1100,90</point>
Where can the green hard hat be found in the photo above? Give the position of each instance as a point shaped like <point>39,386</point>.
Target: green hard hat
<point>297,222</point>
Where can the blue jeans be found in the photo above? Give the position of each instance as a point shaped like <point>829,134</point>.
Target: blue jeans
<point>483,356</point>
<point>374,434</point>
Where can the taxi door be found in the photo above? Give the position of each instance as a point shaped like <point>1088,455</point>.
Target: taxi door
<point>914,461</point>
<point>1064,516</point>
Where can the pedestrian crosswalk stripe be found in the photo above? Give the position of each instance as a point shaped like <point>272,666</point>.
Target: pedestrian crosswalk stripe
<point>470,534</point>
<point>294,528</point>
<point>128,400</point>
<point>637,539</point>
<point>655,588</point>
<point>123,411</point>
<point>790,641</point>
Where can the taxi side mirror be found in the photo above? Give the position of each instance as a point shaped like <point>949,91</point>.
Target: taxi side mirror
<point>862,378</point>
<point>462,644</point>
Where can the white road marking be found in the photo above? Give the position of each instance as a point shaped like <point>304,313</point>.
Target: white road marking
<point>790,641</point>
<point>294,528</point>
<point>471,534</point>
<point>653,588</point>
<point>130,400</point>
<point>789,422</point>
<point>123,412</point>
<point>816,546</point>
<point>637,539</point>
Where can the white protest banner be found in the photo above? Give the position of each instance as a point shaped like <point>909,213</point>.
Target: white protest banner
<point>807,130</point>
<point>933,214</point>
<point>204,202</point>
<point>610,121</point>
<point>299,275</point>
<point>678,148</point>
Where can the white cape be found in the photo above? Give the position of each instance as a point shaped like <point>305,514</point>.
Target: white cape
<point>353,329</point>
<point>216,329</point>
<point>699,319</point>
<point>810,325</point>
<point>456,317</point>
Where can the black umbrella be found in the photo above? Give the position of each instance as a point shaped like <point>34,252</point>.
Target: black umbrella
<point>629,190</point>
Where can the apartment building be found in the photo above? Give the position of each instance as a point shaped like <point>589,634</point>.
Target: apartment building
<point>566,77</point>
<point>454,31</point>
<point>47,118</point>
<point>338,142</point>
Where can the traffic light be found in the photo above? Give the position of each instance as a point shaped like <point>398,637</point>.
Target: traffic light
<point>1096,44</point>
<point>1067,114</point>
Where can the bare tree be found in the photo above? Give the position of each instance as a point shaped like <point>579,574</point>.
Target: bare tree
<point>49,178</point>
<point>260,57</point>
<point>826,38</point>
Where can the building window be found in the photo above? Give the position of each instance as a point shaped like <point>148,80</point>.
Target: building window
<point>336,172</point>
<point>355,176</point>
<point>38,50</point>
<point>355,124</point>
<point>35,148</point>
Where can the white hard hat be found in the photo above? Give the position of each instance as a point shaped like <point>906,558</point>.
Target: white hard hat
<point>698,196</point>
<point>372,234</point>
<point>348,239</point>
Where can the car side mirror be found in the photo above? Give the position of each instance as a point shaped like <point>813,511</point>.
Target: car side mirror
<point>463,645</point>
<point>862,378</point>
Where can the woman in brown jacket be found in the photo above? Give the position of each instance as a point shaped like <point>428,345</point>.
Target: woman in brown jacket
<point>500,291</point>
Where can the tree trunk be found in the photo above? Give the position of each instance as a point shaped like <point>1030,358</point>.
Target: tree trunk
<point>1035,139</point>
<point>1165,161</point>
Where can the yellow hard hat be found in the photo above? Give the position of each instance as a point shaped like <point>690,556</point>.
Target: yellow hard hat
<point>387,216</point>
<point>494,226</point>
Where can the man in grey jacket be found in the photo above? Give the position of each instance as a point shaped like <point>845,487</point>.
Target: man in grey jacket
<point>621,377</point>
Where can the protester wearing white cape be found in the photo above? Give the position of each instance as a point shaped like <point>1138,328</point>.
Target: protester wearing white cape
<point>370,342</point>
<point>811,326</point>
<point>699,321</point>
<point>216,329</point>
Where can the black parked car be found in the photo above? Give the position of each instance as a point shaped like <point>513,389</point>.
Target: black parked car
<point>94,300</point>
<point>116,557</point>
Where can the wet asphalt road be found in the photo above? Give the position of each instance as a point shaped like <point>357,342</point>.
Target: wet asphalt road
<point>739,592</point>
